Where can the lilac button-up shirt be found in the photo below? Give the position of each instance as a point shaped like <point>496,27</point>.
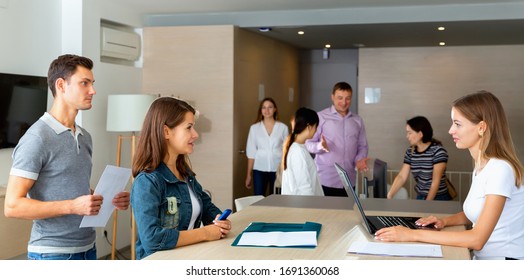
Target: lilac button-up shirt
<point>347,143</point>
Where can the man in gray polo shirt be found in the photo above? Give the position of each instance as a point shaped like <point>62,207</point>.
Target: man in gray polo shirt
<point>49,179</point>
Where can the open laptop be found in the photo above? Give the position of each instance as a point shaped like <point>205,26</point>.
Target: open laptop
<point>374,223</point>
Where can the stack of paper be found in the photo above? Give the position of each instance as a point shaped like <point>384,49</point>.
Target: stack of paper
<point>113,180</point>
<point>279,239</point>
<point>279,235</point>
<point>396,249</point>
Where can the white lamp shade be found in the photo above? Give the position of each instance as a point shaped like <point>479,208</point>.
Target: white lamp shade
<point>126,112</point>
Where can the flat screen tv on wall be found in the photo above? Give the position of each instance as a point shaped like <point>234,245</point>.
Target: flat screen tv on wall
<point>23,100</point>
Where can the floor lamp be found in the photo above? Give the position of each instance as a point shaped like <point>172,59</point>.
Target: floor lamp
<point>125,113</point>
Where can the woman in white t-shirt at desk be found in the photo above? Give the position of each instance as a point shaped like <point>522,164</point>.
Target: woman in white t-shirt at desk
<point>299,175</point>
<point>494,206</point>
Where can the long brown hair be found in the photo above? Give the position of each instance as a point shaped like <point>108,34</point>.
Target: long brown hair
<point>496,141</point>
<point>260,117</point>
<point>152,145</point>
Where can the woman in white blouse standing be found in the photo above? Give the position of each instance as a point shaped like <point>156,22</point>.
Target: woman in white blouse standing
<point>264,148</point>
<point>300,172</point>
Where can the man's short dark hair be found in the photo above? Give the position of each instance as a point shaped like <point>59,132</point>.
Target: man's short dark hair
<point>342,86</point>
<point>64,67</point>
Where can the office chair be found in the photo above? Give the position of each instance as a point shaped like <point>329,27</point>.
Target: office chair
<point>401,194</point>
<point>243,202</point>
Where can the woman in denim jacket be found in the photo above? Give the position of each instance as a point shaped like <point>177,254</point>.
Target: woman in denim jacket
<point>168,202</point>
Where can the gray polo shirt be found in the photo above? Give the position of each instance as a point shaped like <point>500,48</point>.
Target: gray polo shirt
<point>60,162</point>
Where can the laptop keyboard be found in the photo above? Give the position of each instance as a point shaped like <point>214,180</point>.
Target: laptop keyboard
<point>394,221</point>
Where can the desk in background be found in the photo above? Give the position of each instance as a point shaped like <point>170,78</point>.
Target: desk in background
<point>369,204</point>
<point>340,227</point>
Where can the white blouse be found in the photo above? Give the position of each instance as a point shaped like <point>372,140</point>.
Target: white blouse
<point>266,149</point>
<point>300,176</point>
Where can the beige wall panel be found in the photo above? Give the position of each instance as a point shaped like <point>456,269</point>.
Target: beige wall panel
<point>425,81</point>
<point>195,63</point>
<point>14,233</point>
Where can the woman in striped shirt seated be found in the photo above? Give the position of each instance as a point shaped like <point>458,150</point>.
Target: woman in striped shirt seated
<point>426,159</point>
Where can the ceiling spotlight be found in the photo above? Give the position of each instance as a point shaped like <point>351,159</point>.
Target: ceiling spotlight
<point>328,46</point>
<point>300,32</point>
<point>264,29</point>
<point>441,28</point>
<point>442,43</point>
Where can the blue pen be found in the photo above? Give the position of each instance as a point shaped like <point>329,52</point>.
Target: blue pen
<point>224,215</point>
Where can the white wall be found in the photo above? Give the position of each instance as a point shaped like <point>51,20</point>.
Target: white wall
<point>110,79</point>
<point>34,33</point>
<point>25,24</point>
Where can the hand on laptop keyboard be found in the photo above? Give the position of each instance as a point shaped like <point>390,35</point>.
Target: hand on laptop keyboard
<point>431,221</point>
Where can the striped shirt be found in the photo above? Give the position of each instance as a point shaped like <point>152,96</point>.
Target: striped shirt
<point>422,167</point>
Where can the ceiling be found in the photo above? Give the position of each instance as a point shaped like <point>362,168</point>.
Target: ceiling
<point>351,23</point>
<point>420,34</point>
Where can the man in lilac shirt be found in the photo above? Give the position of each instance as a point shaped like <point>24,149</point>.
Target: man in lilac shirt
<point>340,138</point>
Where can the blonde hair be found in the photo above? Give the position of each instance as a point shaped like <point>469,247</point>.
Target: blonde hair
<point>496,141</point>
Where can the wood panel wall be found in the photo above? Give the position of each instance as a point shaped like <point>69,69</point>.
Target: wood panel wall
<point>195,63</point>
<point>14,233</point>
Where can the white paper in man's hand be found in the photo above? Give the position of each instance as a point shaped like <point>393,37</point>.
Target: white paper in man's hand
<point>113,180</point>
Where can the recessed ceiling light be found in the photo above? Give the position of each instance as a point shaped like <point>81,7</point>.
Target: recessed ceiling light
<point>442,43</point>
<point>264,29</point>
<point>300,32</point>
<point>328,46</point>
<point>441,28</point>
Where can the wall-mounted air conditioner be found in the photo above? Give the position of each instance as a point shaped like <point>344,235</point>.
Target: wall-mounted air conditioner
<point>119,44</point>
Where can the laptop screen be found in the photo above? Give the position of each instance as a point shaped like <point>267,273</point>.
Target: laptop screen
<point>351,193</point>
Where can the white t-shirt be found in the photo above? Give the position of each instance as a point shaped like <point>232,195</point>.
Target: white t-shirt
<point>195,204</point>
<point>507,239</point>
<point>300,176</point>
<point>266,149</point>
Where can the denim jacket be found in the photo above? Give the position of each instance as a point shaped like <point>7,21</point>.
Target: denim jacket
<point>162,207</point>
